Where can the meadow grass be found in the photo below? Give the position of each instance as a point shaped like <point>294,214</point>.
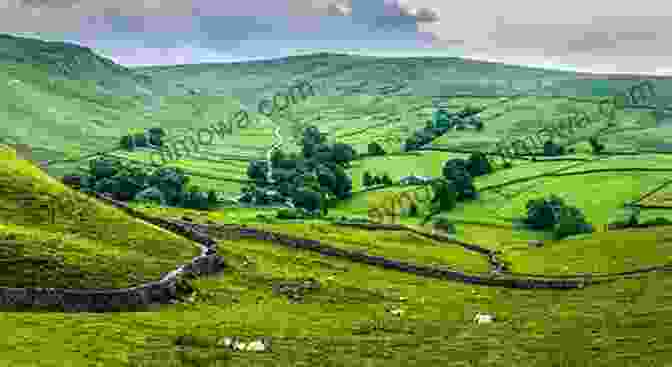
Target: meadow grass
<point>607,252</point>
<point>346,321</point>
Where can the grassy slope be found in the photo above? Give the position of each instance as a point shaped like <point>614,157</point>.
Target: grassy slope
<point>90,245</point>
<point>345,322</point>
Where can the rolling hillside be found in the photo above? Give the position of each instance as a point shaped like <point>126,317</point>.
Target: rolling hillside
<point>334,294</point>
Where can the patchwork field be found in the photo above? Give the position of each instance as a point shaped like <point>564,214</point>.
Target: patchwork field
<point>320,310</point>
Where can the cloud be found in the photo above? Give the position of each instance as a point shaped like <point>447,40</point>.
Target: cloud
<point>612,36</point>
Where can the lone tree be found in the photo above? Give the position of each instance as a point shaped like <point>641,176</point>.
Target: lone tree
<point>554,214</point>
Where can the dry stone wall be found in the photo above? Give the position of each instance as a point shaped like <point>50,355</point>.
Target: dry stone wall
<point>238,232</point>
<point>135,298</point>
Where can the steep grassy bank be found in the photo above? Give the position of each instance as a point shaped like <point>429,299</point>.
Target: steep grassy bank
<point>88,244</point>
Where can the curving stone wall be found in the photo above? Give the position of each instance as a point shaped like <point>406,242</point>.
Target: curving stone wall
<point>237,232</point>
<point>124,299</point>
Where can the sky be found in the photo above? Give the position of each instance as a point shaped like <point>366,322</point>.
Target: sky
<point>594,36</point>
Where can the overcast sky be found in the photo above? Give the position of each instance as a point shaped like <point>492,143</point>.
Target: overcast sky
<point>596,35</point>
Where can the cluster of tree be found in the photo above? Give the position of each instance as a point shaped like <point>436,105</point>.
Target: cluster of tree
<point>125,182</point>
<point>554,214</point>
<point>309,180</point>
<point>369,180</point>
<point>149,137</point>
<point>462,172</point>
<point>442,122</point>
<point>552,149</point>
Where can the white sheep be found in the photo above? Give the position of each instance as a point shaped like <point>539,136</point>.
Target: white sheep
<point>482,318</point>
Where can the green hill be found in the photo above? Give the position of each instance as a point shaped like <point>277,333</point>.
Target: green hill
<point>331,310</point>
<point>55,237</point>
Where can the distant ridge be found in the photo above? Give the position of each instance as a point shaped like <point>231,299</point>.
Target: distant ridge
<point>72,61</point>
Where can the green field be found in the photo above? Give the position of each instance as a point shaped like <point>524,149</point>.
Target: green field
<point>360,315</point>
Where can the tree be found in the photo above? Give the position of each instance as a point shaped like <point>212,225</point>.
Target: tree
<point>343,189</point>
<point>413,210</point>
<point>551,149</point>
<point>478,164</point>
<point>308,199</point>
<point>445,195</point>
<point>212,198</point>
<point>103,167</point>
<point>479,125</point>
<point>257,170</point>
<point>127,142</point>
<point>156,135</point>
<point>456,170</point>
<point>367,179</point>
<point>343,153</point>
<point>543,213</point>
<point>377,180</point>
<point>277,158</point>
<point>570,222</point>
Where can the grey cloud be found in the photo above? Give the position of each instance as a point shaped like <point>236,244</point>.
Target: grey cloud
<point>421,15</point>
<point>49,3</point>
<point>425,15</point>
<point>69,15</point>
